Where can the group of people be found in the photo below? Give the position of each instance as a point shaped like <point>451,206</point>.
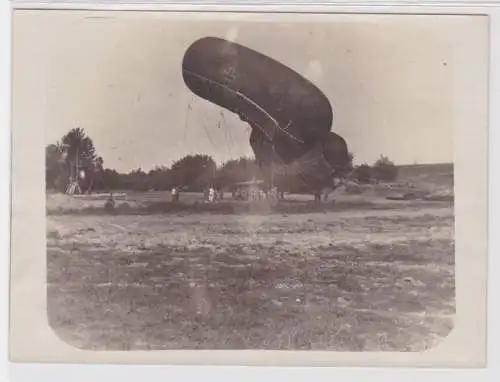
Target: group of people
<point>257,194</point>
<point>211,194</point>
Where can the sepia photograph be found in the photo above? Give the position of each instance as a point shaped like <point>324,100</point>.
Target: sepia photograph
<point>249,182</point>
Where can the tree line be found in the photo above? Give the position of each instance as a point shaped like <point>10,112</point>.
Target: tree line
<point>75,157</point>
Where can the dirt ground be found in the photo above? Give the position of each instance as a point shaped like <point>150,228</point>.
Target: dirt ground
<point>349,280</point>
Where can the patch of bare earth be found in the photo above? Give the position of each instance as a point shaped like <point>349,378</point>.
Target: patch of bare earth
<point>346,281</point>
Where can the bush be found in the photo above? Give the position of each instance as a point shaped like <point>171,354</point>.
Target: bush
<point>384,169</point>
<point>363,173</point>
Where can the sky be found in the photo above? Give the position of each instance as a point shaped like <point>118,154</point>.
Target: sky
<point>390,79</point>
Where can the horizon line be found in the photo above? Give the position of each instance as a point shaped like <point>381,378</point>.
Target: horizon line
<point>249,157</point>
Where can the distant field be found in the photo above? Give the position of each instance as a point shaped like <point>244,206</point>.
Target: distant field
<point>373,275</point>
<point>427,170</point>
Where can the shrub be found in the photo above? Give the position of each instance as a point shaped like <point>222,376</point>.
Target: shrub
<point>363,173</point>
<point>384,169</point>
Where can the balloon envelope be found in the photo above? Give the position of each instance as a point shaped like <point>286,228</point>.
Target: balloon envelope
<point>318,165</point>
<point>290,110</point>
<point>290,117</point>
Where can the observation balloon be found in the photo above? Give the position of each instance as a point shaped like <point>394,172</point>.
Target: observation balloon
<point>290,117</point>
<point>285,107</point>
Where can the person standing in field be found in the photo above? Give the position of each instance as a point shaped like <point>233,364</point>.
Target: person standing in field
<point>273,194</point>
<point>175,195</point>
<point>262,195</point>
<point>211,194</point>
<point>110,203</point>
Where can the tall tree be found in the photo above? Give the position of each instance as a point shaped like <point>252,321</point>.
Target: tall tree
<point>54,168</point>
<point>80,151</point>
<point>79,154</point>
<point>238,170</point>
<point>159,178</point>
<point>193,172</point>
<point>137,180</point>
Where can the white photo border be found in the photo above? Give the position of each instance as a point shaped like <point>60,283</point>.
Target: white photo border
<point>125,372</point>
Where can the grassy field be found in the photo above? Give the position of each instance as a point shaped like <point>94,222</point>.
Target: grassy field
<point>357,278</point>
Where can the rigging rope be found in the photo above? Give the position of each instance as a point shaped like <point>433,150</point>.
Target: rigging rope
<point>208,135</point>
<point>252,102</point>
<point>186,120</point>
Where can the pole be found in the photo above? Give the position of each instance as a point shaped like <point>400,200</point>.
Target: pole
<point>77,163</point>
<point>272,175</point>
